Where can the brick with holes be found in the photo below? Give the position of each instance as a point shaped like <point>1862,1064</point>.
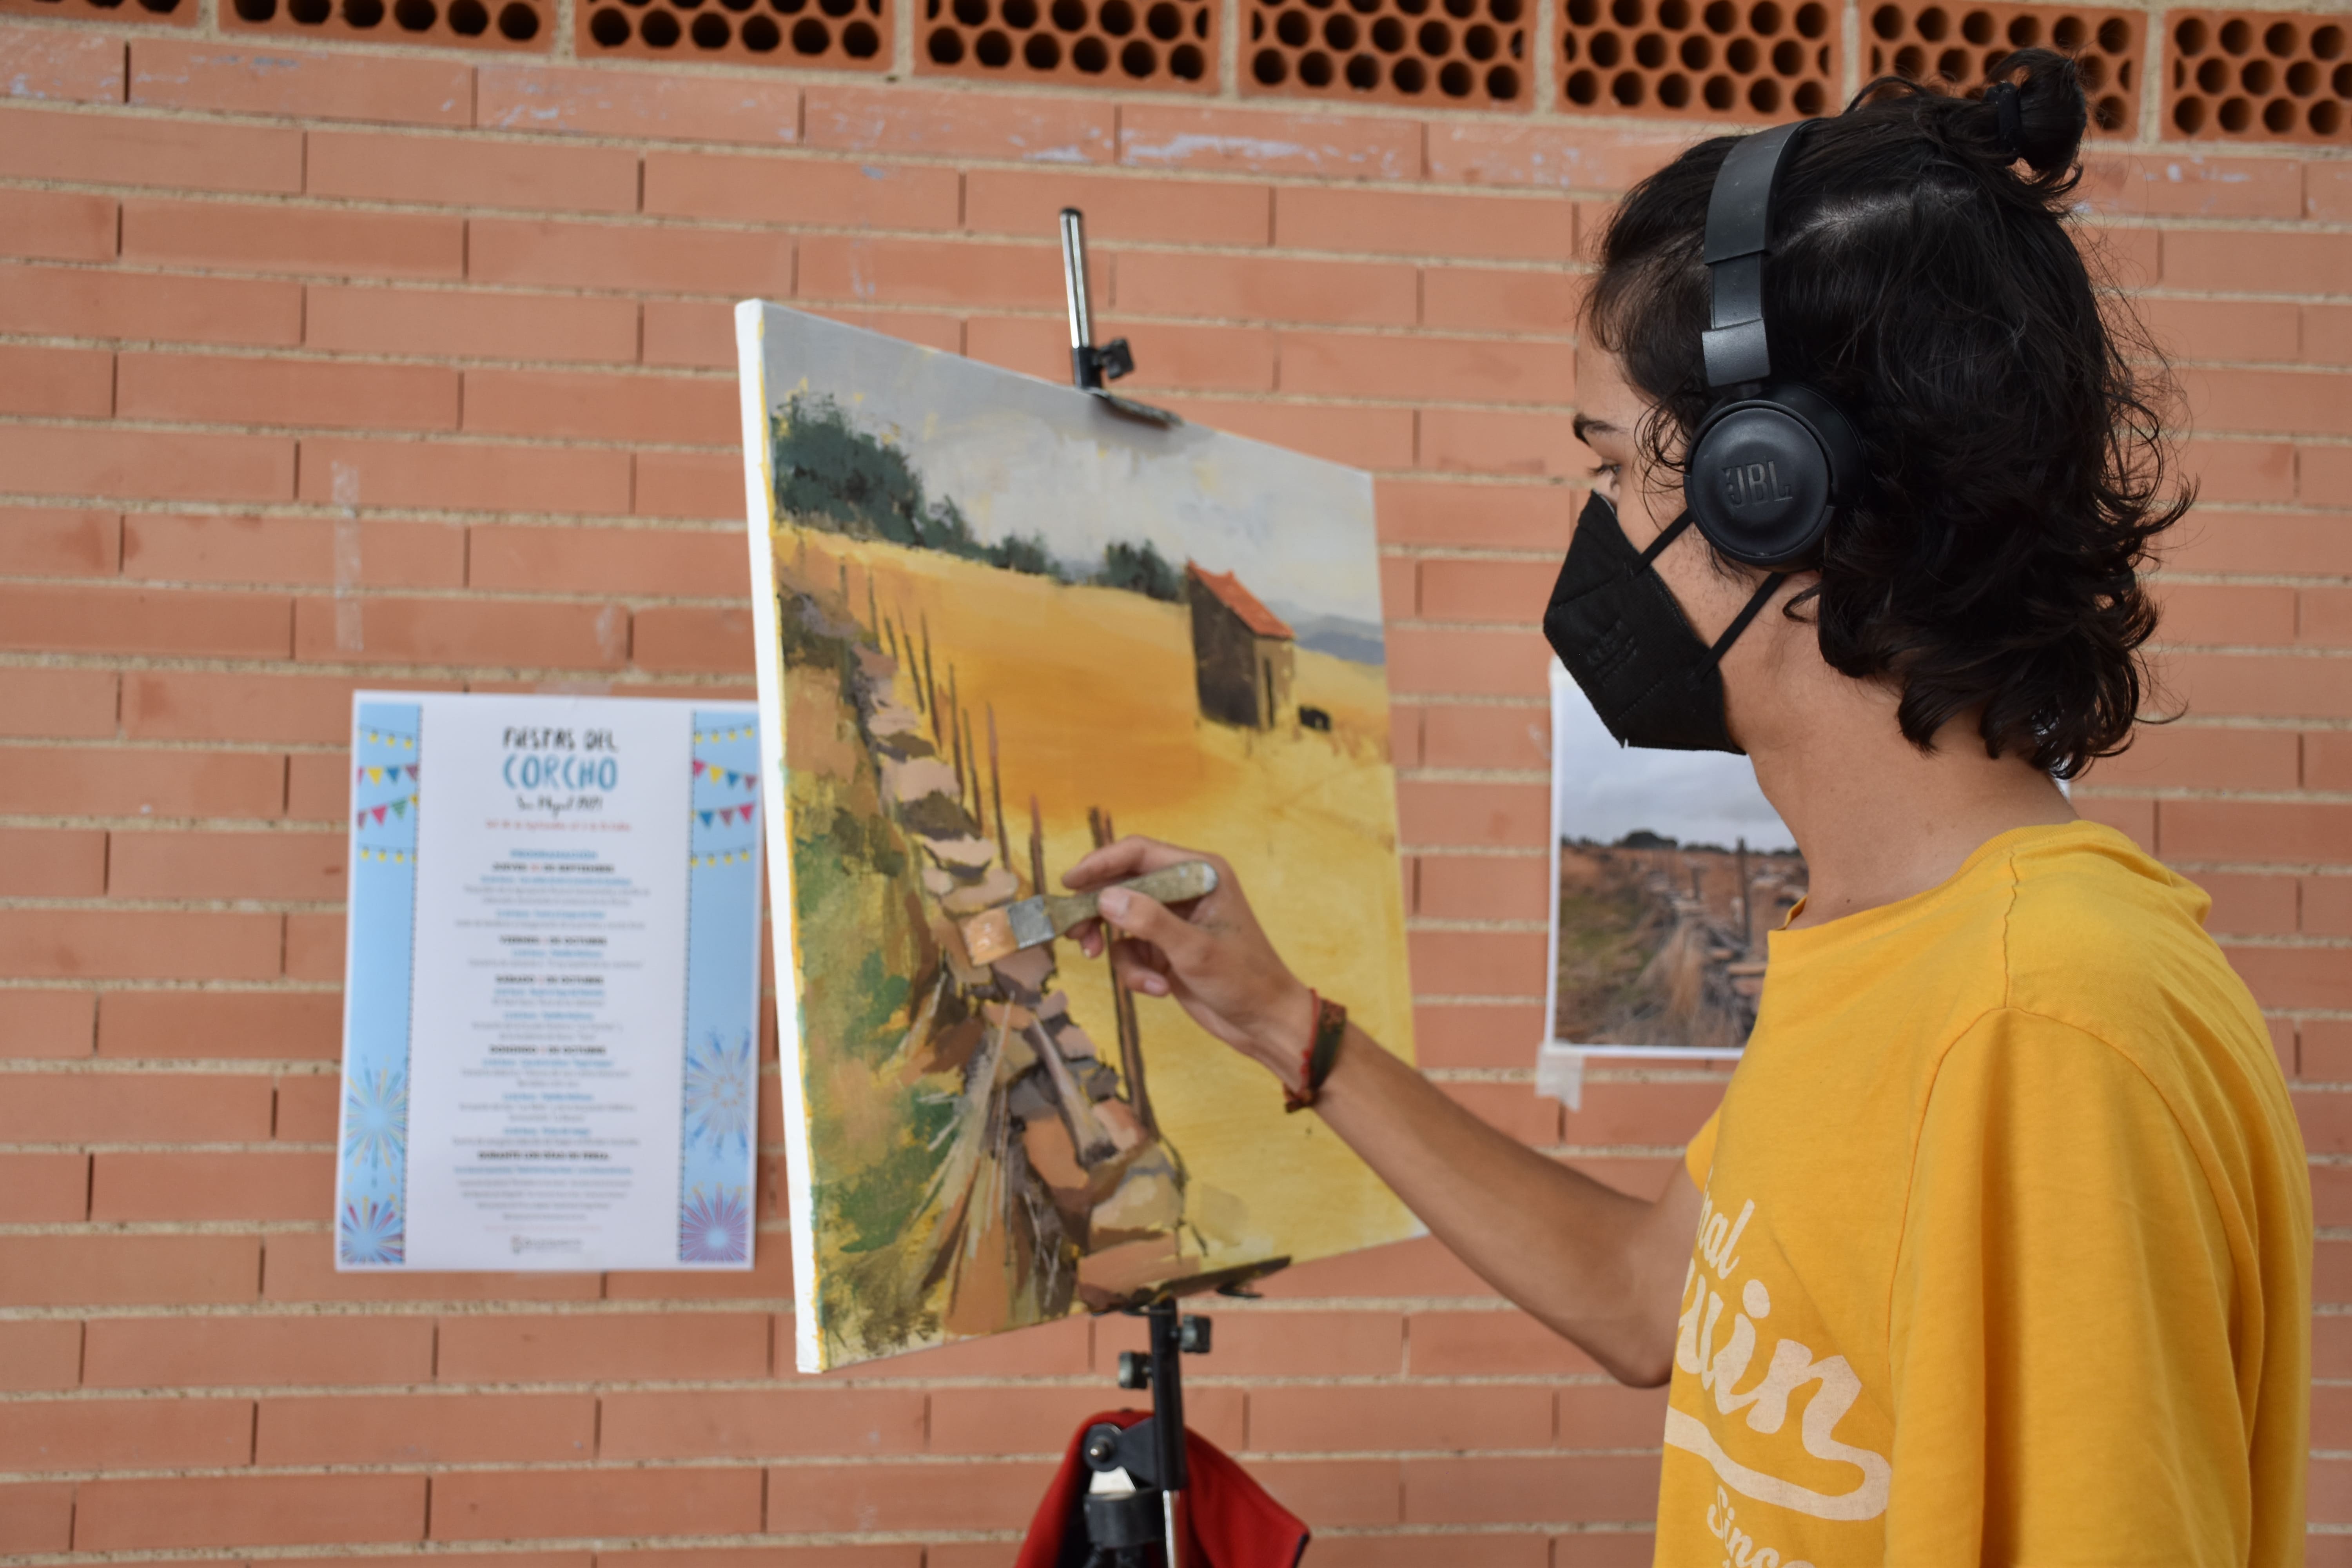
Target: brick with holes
<point>1467,54</point>
<point>500,24</point>
<point>2256,76</point>
<point>1157,44</point>
<point>1952,45</point>
<point>852,35</point>
<point>1699,59</point>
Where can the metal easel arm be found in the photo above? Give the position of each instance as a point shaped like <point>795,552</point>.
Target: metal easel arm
<point>1091,367</point>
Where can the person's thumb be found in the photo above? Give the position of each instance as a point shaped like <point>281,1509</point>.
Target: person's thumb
<point>1148,920</point>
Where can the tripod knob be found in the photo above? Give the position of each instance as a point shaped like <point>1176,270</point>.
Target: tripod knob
<point>1193,1335</point>
<point>1101,1449</point>
<point>1134,1369</point>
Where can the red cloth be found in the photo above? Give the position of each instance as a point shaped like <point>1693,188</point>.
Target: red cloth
<point>1227,1519</point>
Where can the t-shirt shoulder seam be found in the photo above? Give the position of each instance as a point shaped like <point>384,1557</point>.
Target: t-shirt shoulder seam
<point>1911,1177</point>
<point>2008,964</point>
<point>1919,1114</point>
<point>1943,1054</point>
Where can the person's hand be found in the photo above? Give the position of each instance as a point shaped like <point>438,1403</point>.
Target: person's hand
<point>1213,957</point>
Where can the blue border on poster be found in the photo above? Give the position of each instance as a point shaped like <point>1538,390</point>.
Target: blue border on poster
<point>720,1085</point>
<point>370,1210</point>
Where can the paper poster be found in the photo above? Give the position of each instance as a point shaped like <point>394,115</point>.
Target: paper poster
<point>1671,868</point>
<point>550,1048</point>
<point>1001,625</point>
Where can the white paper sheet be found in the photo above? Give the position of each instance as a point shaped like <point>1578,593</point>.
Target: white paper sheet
<point>550,1047</point>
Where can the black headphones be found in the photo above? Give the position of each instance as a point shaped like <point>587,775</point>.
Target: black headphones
<point>1772,461</point>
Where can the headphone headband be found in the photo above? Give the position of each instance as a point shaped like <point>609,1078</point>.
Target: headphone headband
<point>1738,233</point>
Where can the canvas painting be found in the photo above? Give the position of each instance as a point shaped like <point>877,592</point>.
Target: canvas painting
<point>1672,869</point>
<point>1001,625</point>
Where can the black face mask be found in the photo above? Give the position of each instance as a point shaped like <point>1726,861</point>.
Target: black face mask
<point>1615,625</point>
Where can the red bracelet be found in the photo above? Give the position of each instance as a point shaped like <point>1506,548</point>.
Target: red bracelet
<point>1302,1097</point>
<point>1322,1051</point>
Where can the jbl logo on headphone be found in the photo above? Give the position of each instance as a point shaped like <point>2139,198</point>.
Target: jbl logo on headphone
<point>1745,484</point>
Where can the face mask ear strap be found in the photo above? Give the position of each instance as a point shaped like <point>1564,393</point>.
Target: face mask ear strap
<point>1756,603</point>
<point>1672,531</point>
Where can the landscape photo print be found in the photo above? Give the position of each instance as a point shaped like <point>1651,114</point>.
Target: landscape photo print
<point>1672,871</point>
<point>1000,624</point>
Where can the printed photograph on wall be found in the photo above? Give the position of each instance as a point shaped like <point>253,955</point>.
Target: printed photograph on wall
<point>1000,626</point>
<point>1672,869</point>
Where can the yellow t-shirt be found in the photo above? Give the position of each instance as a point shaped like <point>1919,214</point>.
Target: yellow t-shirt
<point>2006,1250</point>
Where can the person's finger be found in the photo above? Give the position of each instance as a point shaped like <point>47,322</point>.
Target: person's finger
<point>1109,864</point>
<point>1144,953</point>
<point>1130,857</point>
<point>1130,970</point>
<point>1185,944</point>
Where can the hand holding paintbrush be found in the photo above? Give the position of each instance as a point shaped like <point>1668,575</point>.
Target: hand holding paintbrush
<point>1213,957</point>
<point>999,933</point>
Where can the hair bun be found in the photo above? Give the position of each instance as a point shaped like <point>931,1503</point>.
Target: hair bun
<point>2033,109</point>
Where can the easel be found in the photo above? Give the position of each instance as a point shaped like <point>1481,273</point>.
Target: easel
<point>1130,1469</point>
<point>1136,1475</point>
<point>1090,366</point>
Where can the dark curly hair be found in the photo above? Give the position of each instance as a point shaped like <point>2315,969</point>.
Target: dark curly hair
<point>2016,467</point>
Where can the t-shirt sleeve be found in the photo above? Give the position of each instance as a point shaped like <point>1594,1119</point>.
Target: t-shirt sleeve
<point>1698,1159</point>
<point>2061,1324</point>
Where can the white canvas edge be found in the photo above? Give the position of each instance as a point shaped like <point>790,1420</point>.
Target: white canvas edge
<point>751,366</point>
<point>1554,1056</point>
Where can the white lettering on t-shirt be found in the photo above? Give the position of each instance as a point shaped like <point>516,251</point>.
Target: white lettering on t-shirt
<point>1793,1367</point>
<point>1739,1548</point>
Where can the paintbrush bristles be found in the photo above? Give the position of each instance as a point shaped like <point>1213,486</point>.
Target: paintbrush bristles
<point>998,933</point>
<point>1042,919</point>
<point>989,937</point>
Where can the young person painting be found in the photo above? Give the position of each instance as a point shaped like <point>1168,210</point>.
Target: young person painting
<point>2003,1231</point>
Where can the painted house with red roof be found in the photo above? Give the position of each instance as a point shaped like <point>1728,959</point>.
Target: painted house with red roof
<point>1242,653</point>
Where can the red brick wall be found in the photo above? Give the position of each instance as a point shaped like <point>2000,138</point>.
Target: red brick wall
<point>330,365</point>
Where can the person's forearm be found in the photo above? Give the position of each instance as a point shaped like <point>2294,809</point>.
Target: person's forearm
<point>1593,1264</point>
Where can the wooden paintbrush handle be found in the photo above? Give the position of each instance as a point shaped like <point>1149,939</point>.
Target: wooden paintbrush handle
<point>1174,884</point>
<point>1169,885</point>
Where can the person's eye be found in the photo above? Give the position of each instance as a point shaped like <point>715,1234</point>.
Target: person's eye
<point>1604,470</point>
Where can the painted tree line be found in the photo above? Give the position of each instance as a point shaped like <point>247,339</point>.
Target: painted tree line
<point>830,474</point>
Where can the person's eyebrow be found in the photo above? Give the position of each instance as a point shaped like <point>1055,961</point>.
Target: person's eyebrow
<point>1583,424</point>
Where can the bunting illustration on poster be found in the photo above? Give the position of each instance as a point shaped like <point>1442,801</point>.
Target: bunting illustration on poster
<point>550,1038</point>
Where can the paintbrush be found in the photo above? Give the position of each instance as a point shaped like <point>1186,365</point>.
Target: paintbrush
<point>998,933</point>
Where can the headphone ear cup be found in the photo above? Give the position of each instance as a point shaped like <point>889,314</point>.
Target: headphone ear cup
<point>1766,473</point>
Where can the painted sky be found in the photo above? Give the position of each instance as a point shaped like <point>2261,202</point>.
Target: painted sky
<point>1026,457</point>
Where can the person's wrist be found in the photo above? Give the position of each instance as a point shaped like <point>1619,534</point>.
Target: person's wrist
<point>1283,1033</point>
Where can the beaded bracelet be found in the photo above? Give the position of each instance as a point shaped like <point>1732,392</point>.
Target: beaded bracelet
<point>1322,1052</point>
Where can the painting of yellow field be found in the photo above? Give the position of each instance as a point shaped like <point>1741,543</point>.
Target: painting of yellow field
<point>1000,624</point>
